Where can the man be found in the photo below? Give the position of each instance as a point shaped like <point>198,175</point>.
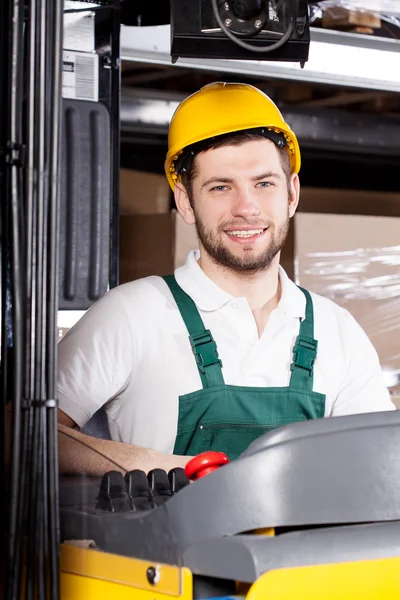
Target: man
<point>229,348</point>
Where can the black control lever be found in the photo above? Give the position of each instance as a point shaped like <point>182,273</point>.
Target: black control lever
<point>177,479</point>
<point>112,494</point>
<point>137,487</point>
<point>159,486</point>
<point>136,491</point>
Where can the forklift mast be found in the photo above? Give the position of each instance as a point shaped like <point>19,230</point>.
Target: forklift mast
<point>59,150</point>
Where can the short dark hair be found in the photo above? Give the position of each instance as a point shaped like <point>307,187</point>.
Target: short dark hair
<point>187,169</point>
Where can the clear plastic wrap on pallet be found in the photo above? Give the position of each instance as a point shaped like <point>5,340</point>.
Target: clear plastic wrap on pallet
<point>355,261</point>
<point>374,17</point>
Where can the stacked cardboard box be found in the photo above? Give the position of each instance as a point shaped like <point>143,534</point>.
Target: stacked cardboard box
<point>354,260</point>
<point>154,239</point>
<point>343,17</point>
<point>143,193</point>
<point>380,18</point>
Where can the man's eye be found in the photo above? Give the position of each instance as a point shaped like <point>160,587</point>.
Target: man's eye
<point>264,184</point>
<point>218,188</point>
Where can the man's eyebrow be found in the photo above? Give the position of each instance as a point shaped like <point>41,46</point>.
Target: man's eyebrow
<point>216,180</point>
<point>266,175</point>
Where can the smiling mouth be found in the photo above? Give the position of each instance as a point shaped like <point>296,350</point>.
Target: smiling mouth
<point>245,233</point>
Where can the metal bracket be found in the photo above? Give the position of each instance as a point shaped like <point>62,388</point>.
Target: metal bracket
<point>15,155</point>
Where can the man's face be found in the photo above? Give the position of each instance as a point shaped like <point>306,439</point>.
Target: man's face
<point>242,205</point>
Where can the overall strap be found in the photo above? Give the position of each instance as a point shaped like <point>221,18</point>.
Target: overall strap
<point>203,345</point>
<point>304,351</point>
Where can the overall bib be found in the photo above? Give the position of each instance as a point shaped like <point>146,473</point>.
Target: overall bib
<point>228,417</point>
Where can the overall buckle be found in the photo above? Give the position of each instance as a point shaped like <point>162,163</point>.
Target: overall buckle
<point>204,349</point>
<point>304,354</point>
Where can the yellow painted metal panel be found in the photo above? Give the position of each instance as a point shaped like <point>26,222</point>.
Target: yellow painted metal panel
<point>268,531</point>
<point>96,567</point>
<point>362,580</point>
<point>78,587</point>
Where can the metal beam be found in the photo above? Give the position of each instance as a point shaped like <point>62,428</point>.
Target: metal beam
<point>345,99</point>
<point>150,112</point>
<point>336,58</point>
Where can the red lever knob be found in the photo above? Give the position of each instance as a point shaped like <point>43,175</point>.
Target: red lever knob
<point>205,463</point>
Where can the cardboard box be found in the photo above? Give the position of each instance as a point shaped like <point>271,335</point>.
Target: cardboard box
<point>145,246</point>
<point>340,17</point>
<point>354,260</point>
<point>143,193</point>
<point>349,202</point>
<point>153,244</point>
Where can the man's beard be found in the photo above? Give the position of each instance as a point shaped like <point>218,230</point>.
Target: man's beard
<point>247,263</point>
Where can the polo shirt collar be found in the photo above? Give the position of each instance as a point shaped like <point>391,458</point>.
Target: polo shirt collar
<point>202,290</point>
<point>209,297</point>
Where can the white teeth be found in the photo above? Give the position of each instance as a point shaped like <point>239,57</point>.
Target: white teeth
<point>247,233</point>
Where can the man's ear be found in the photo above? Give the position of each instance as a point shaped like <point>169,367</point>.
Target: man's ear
<point>183,203</point>
<point>294,193</point>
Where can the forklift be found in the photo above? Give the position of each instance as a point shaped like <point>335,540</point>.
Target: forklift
<point>310,510</point>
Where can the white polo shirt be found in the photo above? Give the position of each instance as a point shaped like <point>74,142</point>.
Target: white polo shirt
<point>131,353</point>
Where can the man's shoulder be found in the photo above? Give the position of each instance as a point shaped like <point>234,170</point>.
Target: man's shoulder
<point>141,296</point>
<point>294,300</point>
<point>144,288</point>
<point>127,307</point>
<point>335,321</point>
<point>327,306</point>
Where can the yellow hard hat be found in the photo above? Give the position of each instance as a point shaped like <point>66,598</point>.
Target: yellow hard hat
<point>220,108</point>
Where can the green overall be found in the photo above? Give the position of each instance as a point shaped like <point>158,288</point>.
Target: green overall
<point>228,417</point>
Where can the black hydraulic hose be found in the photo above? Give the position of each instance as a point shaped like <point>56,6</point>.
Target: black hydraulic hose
<point>45,504</point>
<point>38,536</point>
<point>15,110</point>
<point>4,244</point>
<point>26,470</point>
<point>4,223</point>
<point>41,200</point>
<point>31,201</point>
<point>4,381</point>
<point>37,264</point>
<point>23,501</point>
<point>54,211</point>
<point>32,553</point>
<point>115,124</point>
<point>31,290</point>
<point>43,512</point>
<point>37,583</point>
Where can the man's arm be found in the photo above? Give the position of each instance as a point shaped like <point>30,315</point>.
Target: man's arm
<point>95,362</point>
<point>79,453</point>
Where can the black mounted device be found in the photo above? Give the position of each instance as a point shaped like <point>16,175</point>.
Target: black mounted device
<point>240,29</point>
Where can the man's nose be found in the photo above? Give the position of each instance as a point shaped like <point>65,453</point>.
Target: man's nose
<point>245,204</point>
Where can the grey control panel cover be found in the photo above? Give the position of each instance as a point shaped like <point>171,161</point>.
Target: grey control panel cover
<point>311,475</point>
<point>327,471</point>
